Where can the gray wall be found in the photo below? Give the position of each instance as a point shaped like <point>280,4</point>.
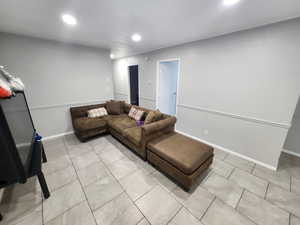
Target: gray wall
<point>57,76</point>
<point>238,91</point>
<point>292,142</point>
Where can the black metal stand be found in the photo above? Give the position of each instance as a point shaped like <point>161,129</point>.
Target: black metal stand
<point>38,157</point>
<point>44,155</point>
<point>43,184</point>
<point>0,216</point>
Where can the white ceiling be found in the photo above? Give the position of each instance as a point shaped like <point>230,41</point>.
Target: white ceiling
<point>162,23</point>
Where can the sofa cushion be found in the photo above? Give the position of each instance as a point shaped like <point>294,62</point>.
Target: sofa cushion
<point>134,135</point>
<point>85,123</point>
<point>126,107</point>
<point>114,107</point>
<point>99,112</point>
<point>153,116</point>
<point>135,113</point>
<point>121,123</point>
<point>182,152</point>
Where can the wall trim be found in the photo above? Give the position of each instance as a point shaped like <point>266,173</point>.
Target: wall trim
<point>148,99</point>
<point>56,136</point>
<point>119,93</point>
<point>229,151</point>
<point>198,139</point>
<point>235,116</point>
<point>145,98</point>
<point>66,104</point>
<point>291,152</point>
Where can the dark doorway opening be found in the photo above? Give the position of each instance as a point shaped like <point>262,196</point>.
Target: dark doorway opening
<point>134,84</point>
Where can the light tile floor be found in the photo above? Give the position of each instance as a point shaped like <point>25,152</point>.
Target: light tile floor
<point>101,182</point>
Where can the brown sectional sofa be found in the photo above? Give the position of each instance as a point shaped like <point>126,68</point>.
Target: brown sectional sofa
<point>182,158</point>
<point>120,126</point>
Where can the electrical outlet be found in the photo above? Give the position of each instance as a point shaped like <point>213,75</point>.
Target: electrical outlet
<point>205,132</point>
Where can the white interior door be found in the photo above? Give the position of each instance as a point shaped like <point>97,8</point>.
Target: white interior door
<point>167,86</point>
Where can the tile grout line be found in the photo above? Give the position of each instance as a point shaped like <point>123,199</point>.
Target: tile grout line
<point>227,154</point>
<point>258,195</point>
<point>140,168</point>
<point>214,199</point>
<point>124,191</point>
<point>234,167</point>
<point>141,221</point>
<point>231,173</point>
<point>193,213</point>
<point>237,204</point>
<point>50,196</point>
<point>247,217</point>
<point>265,197</point>
<point>108,170</point>
<point>262,178</point>
<point>231,206</point>
<point>72,181</point>
<point>145,193</point>
<point>241,214</point>
<point>251,173</point>
<point>82,188</point>
<point>69,209</point>
<point>172,217</point>
<point>252,170</point>
<point>279,207</point>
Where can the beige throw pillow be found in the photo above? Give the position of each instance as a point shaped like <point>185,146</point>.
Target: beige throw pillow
<point>99,112</point>
<point>135,113</point>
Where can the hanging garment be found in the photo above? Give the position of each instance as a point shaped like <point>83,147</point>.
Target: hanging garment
<point>15,83</point>
<point>5,90</point>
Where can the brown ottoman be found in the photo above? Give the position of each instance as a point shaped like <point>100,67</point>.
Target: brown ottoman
<point>182,158</point>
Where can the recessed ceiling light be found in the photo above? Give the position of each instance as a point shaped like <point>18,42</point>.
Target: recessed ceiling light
<point>69,19</point>
<point>230,2</point>
<point>136,37</point>
<point>112,56</point>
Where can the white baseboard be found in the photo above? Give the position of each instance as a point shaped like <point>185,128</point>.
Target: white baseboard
<point>229,151</point>
<point>57,135</point>
<point>291,153</point>
<point>206,142</point>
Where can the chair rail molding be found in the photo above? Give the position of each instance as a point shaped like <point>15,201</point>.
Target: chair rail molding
<point>119,93</point>
<point>235,116</point>
<point>147,99</point>
<point>40,107</point>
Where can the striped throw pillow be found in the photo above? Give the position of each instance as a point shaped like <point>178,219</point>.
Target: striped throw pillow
<point>135,113</point>
<point>94,113</point>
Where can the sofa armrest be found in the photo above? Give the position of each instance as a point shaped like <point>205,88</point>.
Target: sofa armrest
<point>158,126</point>
<point>76,112</point>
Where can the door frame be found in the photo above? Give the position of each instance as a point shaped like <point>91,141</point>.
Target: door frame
<point>158,76</point>
<point>128,80</point>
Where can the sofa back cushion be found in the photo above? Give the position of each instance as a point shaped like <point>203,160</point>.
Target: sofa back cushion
<point>115,107</point>
<point>153,116</point>
<point>99,112</point>
<point>126,107</point>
